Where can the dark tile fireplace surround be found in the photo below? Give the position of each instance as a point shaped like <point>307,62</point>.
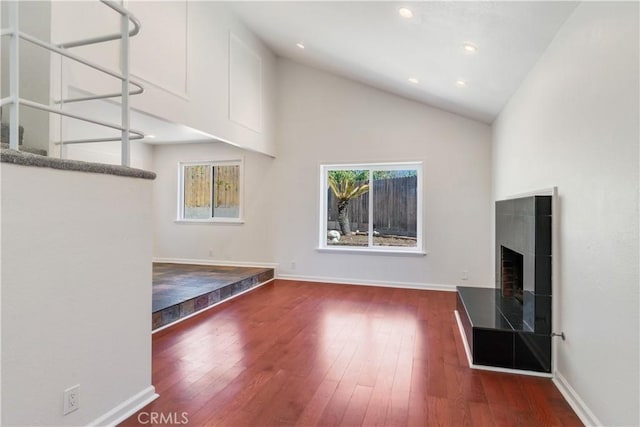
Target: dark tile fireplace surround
<point>509,326</point>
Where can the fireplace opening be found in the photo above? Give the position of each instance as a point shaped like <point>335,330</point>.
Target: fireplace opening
<point>511,273</point>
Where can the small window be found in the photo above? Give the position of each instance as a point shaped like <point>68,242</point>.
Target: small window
<point>210,191</point>
<point>372,207</point>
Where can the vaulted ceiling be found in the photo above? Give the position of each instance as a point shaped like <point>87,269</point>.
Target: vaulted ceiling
<point>371,42</point>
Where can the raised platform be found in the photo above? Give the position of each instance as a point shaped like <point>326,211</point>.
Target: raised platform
<point>496,334</point>
<point>180,290</point>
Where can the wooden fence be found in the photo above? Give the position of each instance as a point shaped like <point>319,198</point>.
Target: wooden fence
<point>198,186</point>
<point>395,205</point>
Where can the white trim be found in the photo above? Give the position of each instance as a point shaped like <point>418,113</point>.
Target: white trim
<point>542,192</point>
<point>127,408</point>
<point>467,350</point>
<point>230,221</point>
<point>573,399</point>
<point>390,165</point>
<point>359,282</point>
<point>463,334</point>
<point>230,73</point>
<point>211,164</point>
<point>185,96</point>
<point>225,263</point>
<point>556,325</point>
<point>382,250</point>
<point>325,168</point>
<point>211,306</point>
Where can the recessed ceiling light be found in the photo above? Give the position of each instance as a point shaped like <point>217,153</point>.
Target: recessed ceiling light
<point>461,83</point>
<point>413,80</point>
<point>405,12</point>
<point>150,136</point>
<point>470,47</point>
<point>300,45</point>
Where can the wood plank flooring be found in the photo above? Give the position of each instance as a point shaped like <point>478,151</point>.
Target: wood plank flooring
<point>297,353</point>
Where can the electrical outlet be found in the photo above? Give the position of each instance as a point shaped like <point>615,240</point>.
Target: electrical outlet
<point>71,399</point>
<point>293,265</point>
<point>210,252</point>
<point>465,275</point>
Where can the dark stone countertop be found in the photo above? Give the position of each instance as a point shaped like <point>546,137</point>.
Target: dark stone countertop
<point>487,308</point>
<point>27,159</point>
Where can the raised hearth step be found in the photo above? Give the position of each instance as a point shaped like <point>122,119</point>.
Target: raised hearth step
<point>497,336</point>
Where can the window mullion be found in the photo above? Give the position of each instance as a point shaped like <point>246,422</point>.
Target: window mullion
<point>183,195</point>
<point>212,184</point>
<point>370,208</point>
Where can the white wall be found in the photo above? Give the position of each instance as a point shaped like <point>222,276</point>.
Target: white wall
<point>76,293</point>
<point>110,153</point>
<point>34,70</point>
<point>574,124</point>
<point>326,118</point>
<point>248,242</point>
<point>194,89</point>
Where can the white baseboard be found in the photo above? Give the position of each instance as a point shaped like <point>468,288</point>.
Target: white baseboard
<point>463,335</point>
<point>126,408</point>
<point>467,350</point>
<point>379,283</point>
<point>216,262</point>
<point>336,280</point>
<point>577,404</point>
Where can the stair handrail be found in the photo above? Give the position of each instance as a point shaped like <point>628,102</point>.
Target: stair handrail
<point>77,58</point>
<point>14,100</point>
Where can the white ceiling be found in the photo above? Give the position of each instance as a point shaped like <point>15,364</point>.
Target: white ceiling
<point>371,43</point>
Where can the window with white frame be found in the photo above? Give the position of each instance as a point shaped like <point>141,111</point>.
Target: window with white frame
<point>373,207</point>
<point>210,191</point>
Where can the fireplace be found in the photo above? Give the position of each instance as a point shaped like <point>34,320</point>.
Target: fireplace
<point>511,273</point>
<point>509,325</point>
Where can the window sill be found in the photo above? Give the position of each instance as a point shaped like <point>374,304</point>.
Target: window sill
<point>369,251</point>
<point>230,221</point>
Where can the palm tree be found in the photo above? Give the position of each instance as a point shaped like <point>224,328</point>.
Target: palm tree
<point>345,187</point>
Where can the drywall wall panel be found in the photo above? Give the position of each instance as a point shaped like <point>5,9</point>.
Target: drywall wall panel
<point>159,59</point>
<point>159,52</point>
<point>35,19</point>
<point>251,241</point>
<point>324,118</point>
<point>574,124</point>
<point>245,84</point>
<point>76,293</point>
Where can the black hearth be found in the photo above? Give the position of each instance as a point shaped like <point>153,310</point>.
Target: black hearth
<point>510,325</point>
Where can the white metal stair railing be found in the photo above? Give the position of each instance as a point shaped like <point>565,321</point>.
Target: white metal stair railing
<point>14,100</point>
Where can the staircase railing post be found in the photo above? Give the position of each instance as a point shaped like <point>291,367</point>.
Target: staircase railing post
<point>14,76</point>
<point>124,52</point>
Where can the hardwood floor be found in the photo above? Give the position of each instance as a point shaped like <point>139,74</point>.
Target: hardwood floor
<point>296,353</point>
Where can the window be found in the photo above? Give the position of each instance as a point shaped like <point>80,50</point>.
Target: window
<point>371,207</point>
<point>210,191</point>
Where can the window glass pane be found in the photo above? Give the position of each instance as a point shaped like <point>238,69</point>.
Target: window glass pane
<point>395,196</point>
<point>226,191</point>
<point>197,192</point>
<point>347,207</point>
